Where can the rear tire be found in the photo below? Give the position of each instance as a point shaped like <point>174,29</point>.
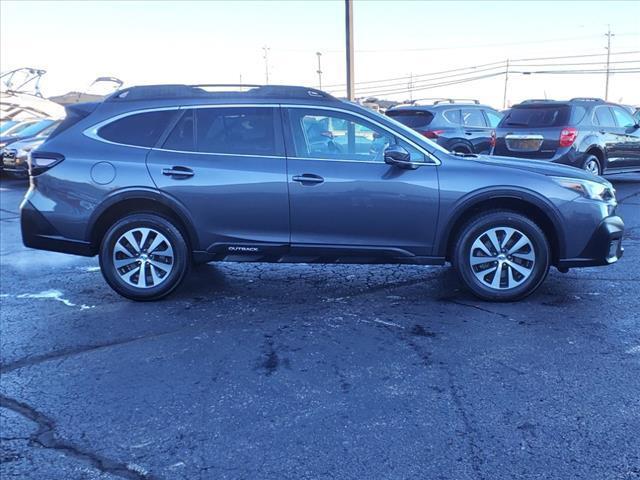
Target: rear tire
<point>502,256</point>
<point>592,165</point>
<point>144,257</point>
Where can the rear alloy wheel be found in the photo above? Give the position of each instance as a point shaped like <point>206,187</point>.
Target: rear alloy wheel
<point>502,256</point>
<point>144,257</point>
<point>592,165</point>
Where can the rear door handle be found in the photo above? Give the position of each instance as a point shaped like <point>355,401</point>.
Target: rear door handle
<point>178,172</point>
<point>308,178</point>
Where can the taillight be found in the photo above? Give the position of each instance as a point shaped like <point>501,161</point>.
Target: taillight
<point>492,140</point>
<point>42,161</point>
<point>568,135</point>
<point>433,133</point>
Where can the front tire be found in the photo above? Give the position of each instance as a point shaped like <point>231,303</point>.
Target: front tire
<point>144,257</point>
<point>502,256</point>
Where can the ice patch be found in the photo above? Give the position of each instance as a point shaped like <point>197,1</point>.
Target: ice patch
<point>388,324</point>
<point>91,269</point>
<point>634,350</point>
<point>54,295</point>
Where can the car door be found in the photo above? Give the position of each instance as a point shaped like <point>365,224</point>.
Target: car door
<point>612,136</point>
<point>343,196</point>
<point>476,129</point>
<point>630,135</point>
<point>226,165</point>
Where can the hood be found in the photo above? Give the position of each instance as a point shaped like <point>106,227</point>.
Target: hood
<point>8,140</point>
<point>538,166</point>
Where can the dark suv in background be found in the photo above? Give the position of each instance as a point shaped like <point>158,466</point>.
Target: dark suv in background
<point>461,126</point>
<point>157,177</point>
<point>587,133</point>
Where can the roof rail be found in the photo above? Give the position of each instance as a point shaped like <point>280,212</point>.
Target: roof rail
<point>586,99</point>
<point>438,100</point>
<point>537,100</point>
<point>216,90</point>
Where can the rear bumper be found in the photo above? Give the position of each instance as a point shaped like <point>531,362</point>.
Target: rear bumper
<point>38,233</point>
<point>604,246</point>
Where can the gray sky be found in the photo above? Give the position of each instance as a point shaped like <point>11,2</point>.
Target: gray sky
<point>215,42</point>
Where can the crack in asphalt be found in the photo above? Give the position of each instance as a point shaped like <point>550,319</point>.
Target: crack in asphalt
<point>68,352</point>
<point>623,199</point>
<point>486,310</point>
<point>45,436</point>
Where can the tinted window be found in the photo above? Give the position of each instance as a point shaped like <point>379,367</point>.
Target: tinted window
<point>473,117</point>
<point>623,117</point>
<point>242,130</point>
<point>7,125</point>
<point>412,118</point>
<point>320,135</point>
<point>182,137</point>
<point>537,116</point>
<point>453,116</point>
<point>604,117</point>
<point>494,118</point>
<point>141,129</point>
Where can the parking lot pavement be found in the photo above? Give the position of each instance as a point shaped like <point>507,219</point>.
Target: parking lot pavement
<point>317,372</point>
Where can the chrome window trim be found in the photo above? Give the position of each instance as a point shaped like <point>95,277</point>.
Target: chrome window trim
<point>218,153</point>
<point>92,132</point>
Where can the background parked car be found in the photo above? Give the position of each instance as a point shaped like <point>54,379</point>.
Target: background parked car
<point>14,158</point>
<point>13,127</point>
<point>31,130</point>
<point>458,126</point>
<point>587,133</point>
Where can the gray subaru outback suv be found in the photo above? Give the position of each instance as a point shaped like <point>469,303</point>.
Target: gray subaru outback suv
<point>155,178</point>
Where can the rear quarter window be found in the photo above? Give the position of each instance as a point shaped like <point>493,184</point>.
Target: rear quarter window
<point>140,129</point>
<point>537,116</point>
<point>577,114</point>
<point>412,118</point>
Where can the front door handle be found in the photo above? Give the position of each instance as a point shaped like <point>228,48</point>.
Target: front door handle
<point>178,172</point>
<point>308,179</point>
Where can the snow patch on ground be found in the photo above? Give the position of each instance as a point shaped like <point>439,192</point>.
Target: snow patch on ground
<point>53,295</point>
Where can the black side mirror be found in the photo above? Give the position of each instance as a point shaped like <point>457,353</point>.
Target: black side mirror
<point>398,156</point>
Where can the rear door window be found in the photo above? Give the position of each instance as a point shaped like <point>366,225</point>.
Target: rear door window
<point>183,136</point>
<point>140,129</point>
<point>452,116</point>
<point>412,118</point>
<point>537,116</point>
<point>472,117</point>
<point>604,117</point>
<point>236,130</point>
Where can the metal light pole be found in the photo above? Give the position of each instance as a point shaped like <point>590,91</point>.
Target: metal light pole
<point>348,13</point>
<point>506,80</point>
<point>606,85</point>
<point>319,71</point>
<point>266,49</point>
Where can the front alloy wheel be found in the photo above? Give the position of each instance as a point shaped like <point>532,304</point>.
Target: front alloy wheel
<point>502,256</point>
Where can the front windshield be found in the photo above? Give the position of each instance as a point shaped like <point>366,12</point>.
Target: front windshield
<point>410,133</point>
<point>35,128</point>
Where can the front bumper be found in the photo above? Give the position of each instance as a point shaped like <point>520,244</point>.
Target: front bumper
<point>604,246</point>
<point>38,233</point>
<point>13,163</point>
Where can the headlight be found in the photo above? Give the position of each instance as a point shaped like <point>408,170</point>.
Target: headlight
<point>588,188</point>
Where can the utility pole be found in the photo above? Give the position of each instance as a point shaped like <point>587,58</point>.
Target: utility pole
<point>608,47</point>
<point>266,49</point>
<point>506,80</point>
<point>319,71</point>
<point>410,86</point>
<point>348,14</point>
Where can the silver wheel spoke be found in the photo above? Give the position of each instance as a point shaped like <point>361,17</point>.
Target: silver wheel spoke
<point>479,260</point>
<point>518,245</point>
<point>478,244</point>
<point>511,282</point>
<point>508,233</point>
<point>495,283</point>
<point>494,239</point>
<point>525,256</point>
<point>139,265</point>
<point>525,272</point>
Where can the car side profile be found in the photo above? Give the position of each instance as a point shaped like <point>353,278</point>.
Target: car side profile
<point>156,178</point>
<point>458,126</point>
<point>587,133</point>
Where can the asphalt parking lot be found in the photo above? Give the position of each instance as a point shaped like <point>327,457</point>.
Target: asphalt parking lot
<point>317,372</point>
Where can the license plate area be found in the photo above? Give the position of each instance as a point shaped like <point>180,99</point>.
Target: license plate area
<point>524,143</point>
